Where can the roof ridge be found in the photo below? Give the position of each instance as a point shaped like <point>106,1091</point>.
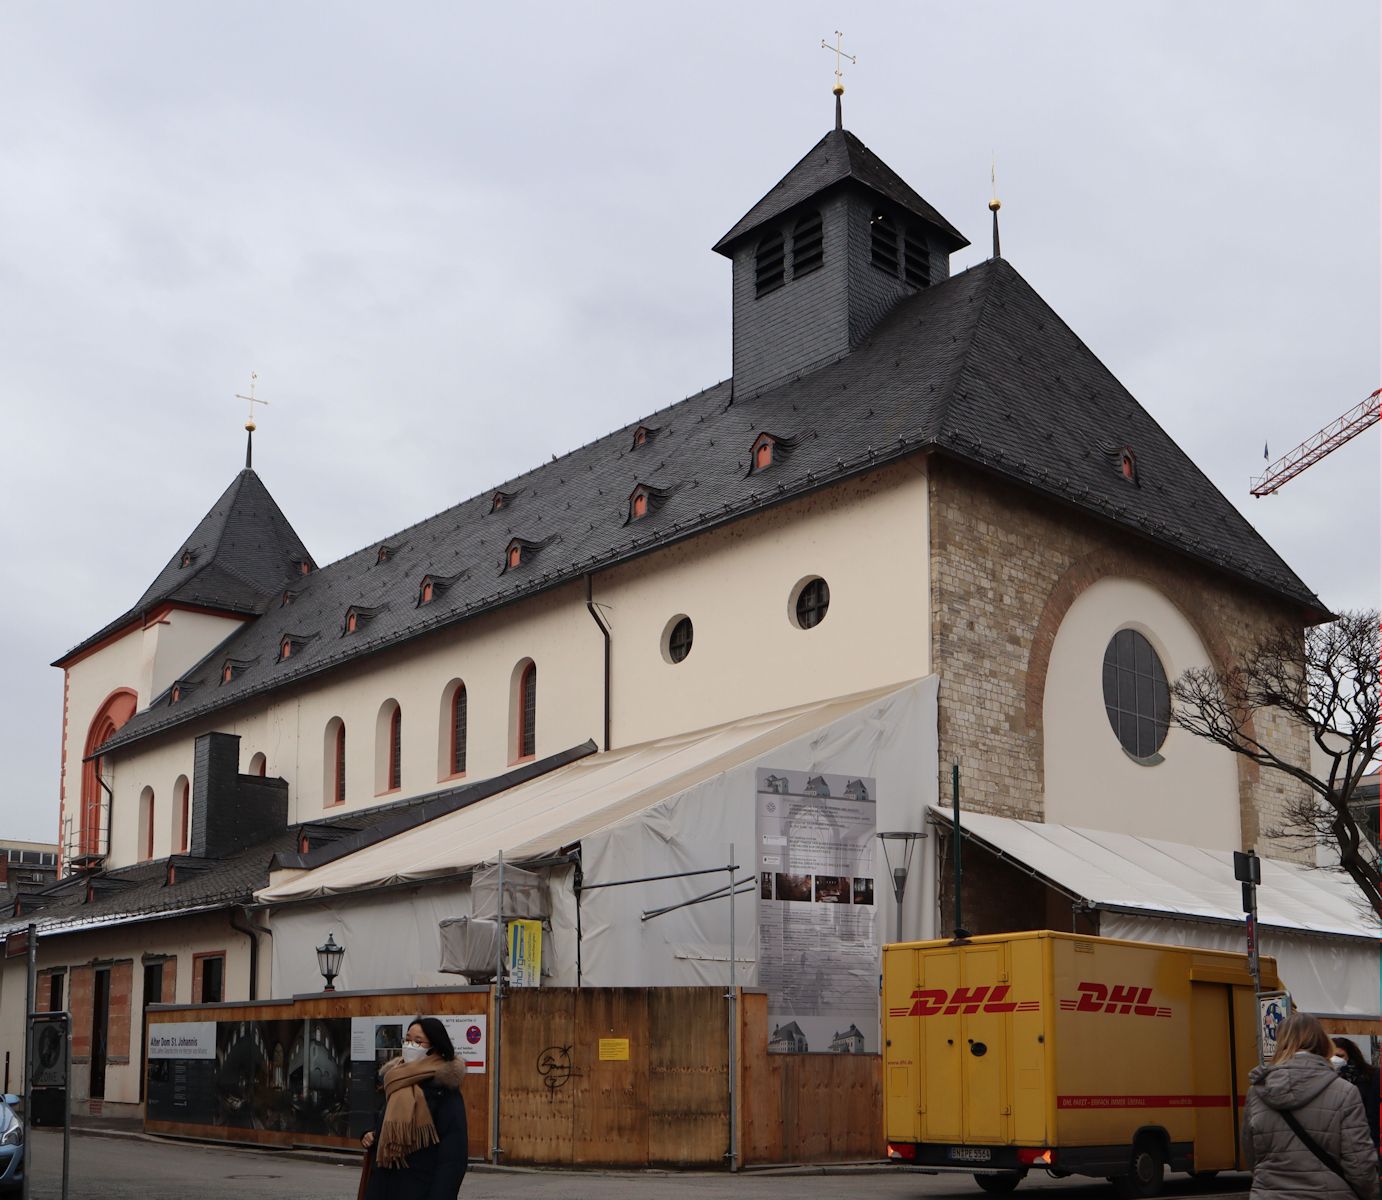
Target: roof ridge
<point>957,375</point>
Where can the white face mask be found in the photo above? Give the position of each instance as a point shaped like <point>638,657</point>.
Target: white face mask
<point>413,1053</point>
<point>1337,1061</point>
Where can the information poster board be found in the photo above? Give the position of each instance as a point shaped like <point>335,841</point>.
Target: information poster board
<point>818,957</point>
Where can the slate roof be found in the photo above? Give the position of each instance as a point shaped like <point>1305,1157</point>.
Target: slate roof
<point>978,368</point>
<point>241,553</point>
<point>141,892</point>
<point>837,157</point>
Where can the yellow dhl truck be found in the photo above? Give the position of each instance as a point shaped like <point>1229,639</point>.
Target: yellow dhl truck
<point>1073,1054</point>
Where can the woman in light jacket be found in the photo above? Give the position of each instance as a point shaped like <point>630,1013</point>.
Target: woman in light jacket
<point>1301,1081</point>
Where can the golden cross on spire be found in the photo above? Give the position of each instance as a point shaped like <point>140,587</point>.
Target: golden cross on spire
<point>839,88</point>
<point>252,400</point>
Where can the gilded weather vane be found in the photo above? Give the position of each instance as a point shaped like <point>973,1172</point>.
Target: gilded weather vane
<point>250,427</point>
<point>839,88</point>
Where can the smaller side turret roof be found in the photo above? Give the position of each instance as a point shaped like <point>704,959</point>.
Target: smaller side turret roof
<point>837,157</point>
<point>241,554</point>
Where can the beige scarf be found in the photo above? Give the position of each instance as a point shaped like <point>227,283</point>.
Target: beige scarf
<point>408,1123</point>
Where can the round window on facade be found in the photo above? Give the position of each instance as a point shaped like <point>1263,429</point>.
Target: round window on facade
<point>1136,696</point>
<point>676,641</point>
<point>811,603</point>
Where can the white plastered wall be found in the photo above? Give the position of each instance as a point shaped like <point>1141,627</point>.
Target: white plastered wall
<point>866,537</point>
<point>181,937</point>
<point>1192,795</point>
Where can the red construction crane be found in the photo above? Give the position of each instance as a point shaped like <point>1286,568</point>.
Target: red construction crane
<point>1329,439</point>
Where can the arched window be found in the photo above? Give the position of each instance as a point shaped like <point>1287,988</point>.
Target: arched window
<point>460,719</point>
<point>807,246</point>
<point>525,710</point>
<point>769,264</point>
<point>334,759</point>
<point>388,748</point>
<point>259,765</point>
<point>146,824</point>
<point>182,793</point>
<point>118,708</point>
<point>883,243</point>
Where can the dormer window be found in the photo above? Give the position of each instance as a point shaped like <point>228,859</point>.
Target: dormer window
<point>769,264</point>
<point>176,694</point>
<point>288,598</point>
<point>500,500</point>
<point>638,504</point>
<point>385,553</point>
<point>1128,464</point>
<point>514,555</point>
<point>762,453</point>
<point>883,243</point>
<point>304,566</point>
<point>352,621</point>
<point>807,245</point>
<point>642,436</point>
<point>286,648</point>
<point>227,672</point>
<point>188,558</point>
<point>426,592</point>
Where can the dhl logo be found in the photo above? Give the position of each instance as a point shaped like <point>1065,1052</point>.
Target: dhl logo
<point>939,1002</point>
<point>1116,999</point>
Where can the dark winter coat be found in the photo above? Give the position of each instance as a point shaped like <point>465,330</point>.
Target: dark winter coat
<point>434,1172</point>
<point>1329,1110</point>
<point>1366,1083</point>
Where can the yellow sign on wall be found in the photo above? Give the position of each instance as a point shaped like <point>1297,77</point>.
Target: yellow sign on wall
<point>614,1049</point>
<point>525,953</point>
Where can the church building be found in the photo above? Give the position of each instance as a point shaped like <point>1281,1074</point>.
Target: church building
<point>922,538</point>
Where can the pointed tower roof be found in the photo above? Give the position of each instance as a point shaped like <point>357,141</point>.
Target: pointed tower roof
<point>240,555</point>
<point>837,157</point>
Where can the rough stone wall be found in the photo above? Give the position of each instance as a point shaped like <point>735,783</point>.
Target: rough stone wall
<point>1005,567</point>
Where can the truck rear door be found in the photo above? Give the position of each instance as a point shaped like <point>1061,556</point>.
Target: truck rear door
<point>981,999</point>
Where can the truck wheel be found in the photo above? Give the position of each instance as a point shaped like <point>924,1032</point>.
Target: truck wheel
<point>1146,1171</point>
<point>1000,1184</point>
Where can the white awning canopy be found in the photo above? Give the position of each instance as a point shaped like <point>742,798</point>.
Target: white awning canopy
<point>1313,921</point>
<point>557,809</point>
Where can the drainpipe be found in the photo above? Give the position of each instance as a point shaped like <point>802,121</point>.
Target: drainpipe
<point>250,930</point>
<point>604,631</point>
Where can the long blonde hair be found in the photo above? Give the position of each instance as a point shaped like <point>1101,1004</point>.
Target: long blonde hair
<point>1300,1031</point>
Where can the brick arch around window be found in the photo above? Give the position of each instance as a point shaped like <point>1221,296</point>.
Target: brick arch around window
<point>453,730</point>
<point>115,710</point>
<point>523,711</point>
<point>1179,591</point>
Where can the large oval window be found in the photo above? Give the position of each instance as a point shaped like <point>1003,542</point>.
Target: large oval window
<point>1136,696</point>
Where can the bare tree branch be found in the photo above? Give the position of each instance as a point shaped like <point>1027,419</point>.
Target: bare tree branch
<point>1328,685</point>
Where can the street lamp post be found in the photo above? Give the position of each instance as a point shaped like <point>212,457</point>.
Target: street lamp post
<point>329,958</point>
<point>899,845</point>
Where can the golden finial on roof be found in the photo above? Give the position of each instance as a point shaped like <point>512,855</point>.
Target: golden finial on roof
<point>994,205</point>
<point>839,88</point>
<point>250,426</point>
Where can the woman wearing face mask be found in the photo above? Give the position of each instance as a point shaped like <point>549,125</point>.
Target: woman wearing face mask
<point>419,1143</point>
<point>1351,1064</point>
<point>1304,1132</point>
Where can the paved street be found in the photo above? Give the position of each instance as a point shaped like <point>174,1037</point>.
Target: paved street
<point>126,1168</point>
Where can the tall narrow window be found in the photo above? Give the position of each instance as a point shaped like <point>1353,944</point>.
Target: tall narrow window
<point>146,823</point>
<point>807,246</point>
<point>527,712</point>
<point>334,775</point>
<point>396,749</point>
<point>769,264</point>
<point>184,795</point>
<point>883,243</point>
<point>916,260</point>
<point>460,713</point>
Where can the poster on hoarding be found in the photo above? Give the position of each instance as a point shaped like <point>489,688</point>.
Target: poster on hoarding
<point>378,1039</point>
<point>818,957</point>
<point>187,1039</point>
<point>525,953</point>
<point>1275,1007</point>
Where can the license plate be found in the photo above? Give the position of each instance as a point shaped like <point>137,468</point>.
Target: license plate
<point>970,1154</point>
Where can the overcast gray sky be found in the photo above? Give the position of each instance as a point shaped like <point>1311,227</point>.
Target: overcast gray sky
<point>457,239</point>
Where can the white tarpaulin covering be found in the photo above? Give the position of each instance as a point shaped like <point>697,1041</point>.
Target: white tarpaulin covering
<point>1312,921</point>
<point>666,806</point>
